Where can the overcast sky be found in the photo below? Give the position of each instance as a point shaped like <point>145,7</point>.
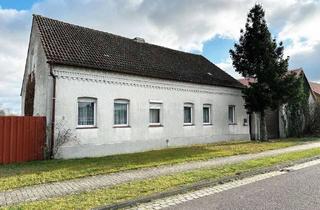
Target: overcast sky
<point>208,27</point>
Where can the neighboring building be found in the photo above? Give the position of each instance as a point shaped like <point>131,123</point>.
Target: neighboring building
<point>316,89</point>
<point>121,95</point>
<point>275,119</point>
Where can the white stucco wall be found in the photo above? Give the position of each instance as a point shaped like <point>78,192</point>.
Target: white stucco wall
<point>36,62</point>
<point>105,139</point>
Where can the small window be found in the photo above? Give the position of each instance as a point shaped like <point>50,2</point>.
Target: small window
<point>207,114</point>
<point>245,121</point>
<point>155,113</point>
<point>231,114</point>
<point>121,112</point>
<point>188,112</point>
<point>87,112</point>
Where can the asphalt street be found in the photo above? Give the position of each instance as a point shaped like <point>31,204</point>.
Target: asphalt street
<point>294,190</point>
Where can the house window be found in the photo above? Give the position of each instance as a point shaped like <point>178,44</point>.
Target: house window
<point>87,112</point>
<point>231,114</point>
<point>188,112</point>
<point>121,112</point>
<point>206,114</point>
<point>245,121</point>
<point>155,114</point>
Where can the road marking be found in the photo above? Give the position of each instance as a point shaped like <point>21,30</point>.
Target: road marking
<point>304,165</point>
<point>181,198</point>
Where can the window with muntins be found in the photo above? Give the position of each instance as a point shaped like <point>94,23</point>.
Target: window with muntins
<point>188,112</point>
<point>121,112</point>
<point>231,114</point>
<point>155,114</point>
<point>87,112</point>
<point>207,114</point>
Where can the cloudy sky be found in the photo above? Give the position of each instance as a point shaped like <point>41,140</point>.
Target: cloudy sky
<point>208,27</point>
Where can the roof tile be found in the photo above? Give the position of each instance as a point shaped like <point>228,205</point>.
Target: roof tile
<point>69,44</point>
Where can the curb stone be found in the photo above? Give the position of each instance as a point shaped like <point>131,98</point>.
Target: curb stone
<point>202,184</point>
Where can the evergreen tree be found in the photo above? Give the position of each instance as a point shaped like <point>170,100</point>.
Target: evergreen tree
<point>258,56</point>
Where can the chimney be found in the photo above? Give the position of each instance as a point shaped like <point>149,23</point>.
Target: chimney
<point>139,40</point>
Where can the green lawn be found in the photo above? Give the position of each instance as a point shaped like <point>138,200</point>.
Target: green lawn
<point>137,189</point>
<point>18,175</point>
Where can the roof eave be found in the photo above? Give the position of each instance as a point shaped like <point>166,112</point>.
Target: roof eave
<point>51,62</point>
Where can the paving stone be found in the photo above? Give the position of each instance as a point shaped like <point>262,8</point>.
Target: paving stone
<point>44,191</point>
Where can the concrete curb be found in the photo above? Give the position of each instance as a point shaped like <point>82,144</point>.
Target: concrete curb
<point>202,184</point>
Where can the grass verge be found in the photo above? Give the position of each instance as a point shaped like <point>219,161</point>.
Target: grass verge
<point>37,172</point>
<point>137,189</point>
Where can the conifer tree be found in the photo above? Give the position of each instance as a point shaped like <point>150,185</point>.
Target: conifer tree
<point>258,56</point>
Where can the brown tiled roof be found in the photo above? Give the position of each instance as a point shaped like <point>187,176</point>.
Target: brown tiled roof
<point>68,44</point>
<point>315,87</point>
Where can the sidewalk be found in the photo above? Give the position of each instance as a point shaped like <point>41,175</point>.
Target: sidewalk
<point>44,191</point>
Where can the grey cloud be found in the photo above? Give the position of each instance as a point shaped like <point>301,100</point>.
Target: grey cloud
<point>14,29</point>
<point>183,25</point>
<point>309,61</point>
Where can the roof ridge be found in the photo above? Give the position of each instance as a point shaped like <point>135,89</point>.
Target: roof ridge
<point>104,32</point>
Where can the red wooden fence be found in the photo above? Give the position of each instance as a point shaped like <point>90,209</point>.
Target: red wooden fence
<point>22,139</point>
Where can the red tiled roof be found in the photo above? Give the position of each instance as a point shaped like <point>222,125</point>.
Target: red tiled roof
<point>245,81</point>
<point>315,87</point>
<point>298,72</point>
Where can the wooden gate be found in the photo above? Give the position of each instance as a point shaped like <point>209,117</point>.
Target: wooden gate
<point>22,139</point>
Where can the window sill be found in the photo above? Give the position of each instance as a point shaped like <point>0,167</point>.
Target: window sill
<point>209,124</point>
<point>89,127</point>
<point>121,126</point>
<point>188,125</point>
<point>232,123</point>
<point>155,126</point>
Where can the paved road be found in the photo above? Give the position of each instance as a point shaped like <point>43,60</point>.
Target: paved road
<point>294,190</point>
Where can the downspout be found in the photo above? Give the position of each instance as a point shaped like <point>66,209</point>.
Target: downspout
<point>53,111</point>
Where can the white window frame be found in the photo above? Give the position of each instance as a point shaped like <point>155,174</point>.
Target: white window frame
<point>121,101</point>
<point>158,106</point>
<point>90,100</point>
<point>233,114</point>
<point>192,107</point>
<point>210,120</point>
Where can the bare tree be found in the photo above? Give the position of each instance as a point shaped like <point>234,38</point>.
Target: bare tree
<point>63,135</point>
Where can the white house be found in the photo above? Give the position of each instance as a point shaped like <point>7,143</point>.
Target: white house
<point>121,95</point>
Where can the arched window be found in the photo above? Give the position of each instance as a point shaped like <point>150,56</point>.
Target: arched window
<point>87,112</point>
<point>121,112</point>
